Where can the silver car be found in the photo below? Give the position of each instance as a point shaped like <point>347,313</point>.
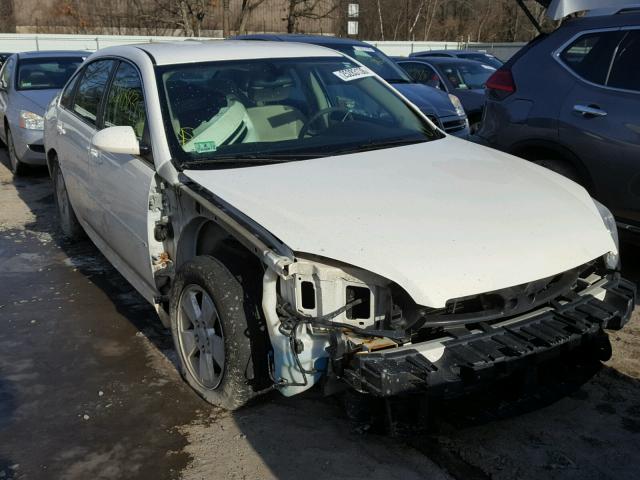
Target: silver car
<point>28,83</point>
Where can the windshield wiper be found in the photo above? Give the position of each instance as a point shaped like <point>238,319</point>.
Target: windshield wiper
<point>397,80</point>
<point>249,159</point>
<point>377,145</point>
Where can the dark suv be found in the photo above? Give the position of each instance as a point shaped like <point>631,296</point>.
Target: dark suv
<point>570,101</point>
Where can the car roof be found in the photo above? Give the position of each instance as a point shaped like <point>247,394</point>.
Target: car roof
<point>53,53</point>
<point>302,38</point>
<point>169,53</point>
<point>438,60</point>
<point>606,21</point>
<point>448,52</point>
<point>559,9</point>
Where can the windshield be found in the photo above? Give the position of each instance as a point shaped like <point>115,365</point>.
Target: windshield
<point>45,73</point>
<point>284,109</point>
<point>482,58</point>
<point>466,75</point>
<point>375,60</point>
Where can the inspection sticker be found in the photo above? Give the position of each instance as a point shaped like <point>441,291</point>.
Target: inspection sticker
<point>204,147</point>
<point>354,73</point>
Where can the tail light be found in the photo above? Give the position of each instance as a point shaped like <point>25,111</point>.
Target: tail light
<point>501,83</point>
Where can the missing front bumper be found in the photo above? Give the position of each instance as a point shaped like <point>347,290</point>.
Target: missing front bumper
<point>492,352</point>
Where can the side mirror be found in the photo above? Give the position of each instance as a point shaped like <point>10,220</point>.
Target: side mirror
<point>117,140</point>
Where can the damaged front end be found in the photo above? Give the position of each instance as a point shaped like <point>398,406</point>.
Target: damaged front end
<point>355,329</point>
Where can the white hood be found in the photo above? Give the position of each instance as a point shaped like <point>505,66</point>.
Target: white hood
<point>443,219</point>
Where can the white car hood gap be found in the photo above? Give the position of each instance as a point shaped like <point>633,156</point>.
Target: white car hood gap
<point>443,219</point>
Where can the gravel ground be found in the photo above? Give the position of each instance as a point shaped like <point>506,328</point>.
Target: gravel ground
<point>88,389</point>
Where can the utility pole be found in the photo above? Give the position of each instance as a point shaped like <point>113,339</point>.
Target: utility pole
<point>226,21</point>
<point>406,18</point>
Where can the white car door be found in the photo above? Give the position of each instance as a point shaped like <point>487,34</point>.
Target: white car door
<point>75,126</point>
<point>125,181</point>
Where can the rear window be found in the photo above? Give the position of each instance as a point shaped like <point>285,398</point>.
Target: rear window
<point>625,71</point>
<point>590,55</point>
<point>45,73</point>
<point>467,75</point>
<point>482,58</point>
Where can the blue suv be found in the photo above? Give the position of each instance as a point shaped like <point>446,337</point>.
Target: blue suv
<point>570,101</point>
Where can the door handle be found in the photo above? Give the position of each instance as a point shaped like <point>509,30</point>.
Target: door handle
<point>60,128</point>
<point>95,154</point>
<point>589,110</point>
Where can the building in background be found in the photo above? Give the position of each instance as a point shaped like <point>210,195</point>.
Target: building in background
<point>391,20</point>
<point>170,17</point>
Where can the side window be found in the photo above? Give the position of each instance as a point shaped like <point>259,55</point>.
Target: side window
<point>590,55</point>
<point>422,73</point>
<point>91,89</point>
<point>625,72</point>
<point>125,100</point>
<point>5,78</point>
<point>66,98</point>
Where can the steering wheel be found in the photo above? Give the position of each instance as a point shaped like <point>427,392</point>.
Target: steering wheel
<point>325,111</point>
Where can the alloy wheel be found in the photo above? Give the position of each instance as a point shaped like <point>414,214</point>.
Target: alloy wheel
<point>200,336</point>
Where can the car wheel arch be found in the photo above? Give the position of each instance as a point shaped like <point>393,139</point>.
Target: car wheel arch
<point>52,158</point>
<point>203,236</point>
<point>544,149</point>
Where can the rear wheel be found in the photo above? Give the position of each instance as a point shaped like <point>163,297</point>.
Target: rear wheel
<point>212,320</point>
<point>67,220</point>
<point>17,167</point>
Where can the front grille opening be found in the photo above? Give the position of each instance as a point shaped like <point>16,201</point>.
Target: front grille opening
<point>308,295</point>
<point>454,126</point>
<point>36,148</point>
<point>362,310</point>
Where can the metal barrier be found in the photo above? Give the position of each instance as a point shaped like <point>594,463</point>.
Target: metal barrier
<point>15,42</point>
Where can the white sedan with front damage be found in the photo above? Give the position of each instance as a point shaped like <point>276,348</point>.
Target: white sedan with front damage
<point>295,219</point>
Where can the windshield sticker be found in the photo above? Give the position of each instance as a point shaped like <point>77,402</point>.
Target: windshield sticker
<point>358,48</point>
<point>204,147</point>
<point>349,74</point>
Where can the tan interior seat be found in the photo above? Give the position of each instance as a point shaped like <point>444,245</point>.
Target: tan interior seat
<point>276,122</point>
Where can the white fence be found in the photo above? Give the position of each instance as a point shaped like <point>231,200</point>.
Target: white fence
<point>26,42</point>
<point>16,42</point>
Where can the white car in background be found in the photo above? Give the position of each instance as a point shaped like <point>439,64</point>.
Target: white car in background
<point>293,218</point>
<point>28,83</point>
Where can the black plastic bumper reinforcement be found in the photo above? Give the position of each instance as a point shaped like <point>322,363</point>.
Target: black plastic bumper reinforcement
<point>490,353</point>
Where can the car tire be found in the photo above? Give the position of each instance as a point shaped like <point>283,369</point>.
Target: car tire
<point>17,167</point>
<point>560,166</point>
<point>212,324</point>
<point>67,220</point>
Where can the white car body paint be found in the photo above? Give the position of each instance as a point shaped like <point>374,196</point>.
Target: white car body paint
<point>443,219</point>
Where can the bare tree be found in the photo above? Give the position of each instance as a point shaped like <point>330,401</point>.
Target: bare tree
<point>417,17</point>
<point>7,18</point>
<point>381,23</point>
<point>429,20</point>
<point>186,16</point>
<point>226,16</point>
<point>247,7</point>
<point>312,9</point>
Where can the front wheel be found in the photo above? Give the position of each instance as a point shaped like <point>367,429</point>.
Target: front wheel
<point>211,324</point>
<point>67,220</point>
<point>17,167</point>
